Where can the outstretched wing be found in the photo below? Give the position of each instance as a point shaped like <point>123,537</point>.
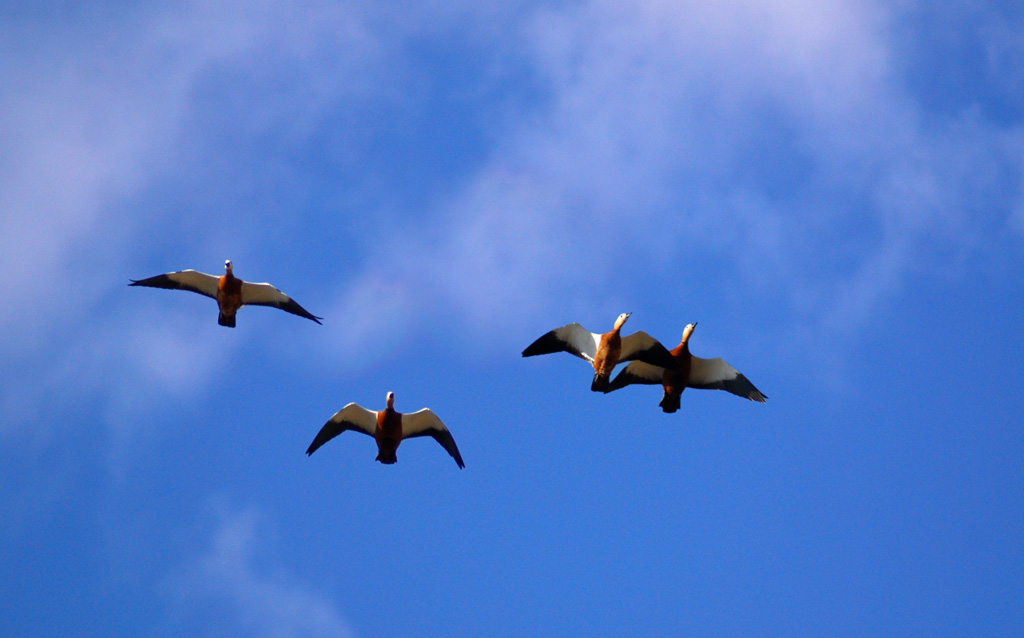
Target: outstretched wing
<point>191,280</point>
<point>643,347</point>
<point>267,295</point>
<point>637,372</point>
<point>351,417</point>
<point>572,338</point>
<point>716,374</point>
<point>426,423</point>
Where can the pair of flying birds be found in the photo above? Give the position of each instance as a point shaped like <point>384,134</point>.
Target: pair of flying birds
<point>675,370</point>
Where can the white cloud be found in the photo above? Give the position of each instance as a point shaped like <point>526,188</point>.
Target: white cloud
<point>744,131</point>
<point>370,319</point>
<point>151,358</point>
<point>91,115</point>
<point>232,594</point>
<point>652,140</point>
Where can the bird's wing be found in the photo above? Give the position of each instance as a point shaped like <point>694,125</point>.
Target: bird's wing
<point>637,372</point>
<point>572,338</point>
<point>351,417</point>
<point>191,280</point>
<point>643,347</point>
<point>716,374</point>
<point>426,423</point>
<point>267,295</point>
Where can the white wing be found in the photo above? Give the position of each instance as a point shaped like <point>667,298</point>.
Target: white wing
<point>266,295</point>
<point>716,374</point>
<point>572,338</point>
<point>191,280</point>
<point>351,417</point>
<point>426,423</point>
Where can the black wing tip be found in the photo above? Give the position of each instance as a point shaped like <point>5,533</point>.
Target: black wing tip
<point>293,307</point>
<point>310,317</point>
<point>532,350</point>
<point>454,452</point>
<point>548,343</point>
<point>751,391</point>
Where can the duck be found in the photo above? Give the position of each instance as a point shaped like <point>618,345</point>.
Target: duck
<point>692,372</point>
<point>389,428</point>
<point>603,351</point>
<point>230,292</point>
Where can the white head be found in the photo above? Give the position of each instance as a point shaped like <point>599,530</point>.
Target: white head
<point>227,265</point>
<point>688,330</point>
<point>391,400</point>
<point>621,320</point>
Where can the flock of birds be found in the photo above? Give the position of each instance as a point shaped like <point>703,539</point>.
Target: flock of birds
<point>650,363</point>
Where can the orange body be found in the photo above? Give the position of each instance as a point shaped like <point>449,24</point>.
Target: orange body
<point>608,352</point>
<point>229,297</point>
<point>675,381</point>
<point>609,349</point>
<point>388,434</point>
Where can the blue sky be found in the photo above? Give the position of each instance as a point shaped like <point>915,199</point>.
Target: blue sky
<point>831,189</point>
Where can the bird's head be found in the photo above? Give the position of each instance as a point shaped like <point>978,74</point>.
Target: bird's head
<point>621,320</point>
<point>688,330</point>
<point>227,266</point>
<point>391,400</point>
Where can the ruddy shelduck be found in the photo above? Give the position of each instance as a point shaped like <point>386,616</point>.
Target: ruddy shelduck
<point>230,292</point>
<point>603,351</point>
<point>692,372</point>
<point>388,427</point>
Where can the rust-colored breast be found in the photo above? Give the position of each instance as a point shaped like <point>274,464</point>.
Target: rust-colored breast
<point>674,381</point>
<point>229,294</point>
<point>609,349</point>
<point>389,430</point>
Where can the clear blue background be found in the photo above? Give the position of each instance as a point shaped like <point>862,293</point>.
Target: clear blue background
<point>832,190</point>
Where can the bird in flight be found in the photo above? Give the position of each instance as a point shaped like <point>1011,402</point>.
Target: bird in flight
<point>388,428</point>
<point>603,351</point>
<point>692,372</point>
<point>230,292</point>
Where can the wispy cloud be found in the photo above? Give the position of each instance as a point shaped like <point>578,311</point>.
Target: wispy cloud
<point>237,596</point>
<point>774,141</point>
<point>93,113</point>
<point>119,371</point>
<point>752,132</point>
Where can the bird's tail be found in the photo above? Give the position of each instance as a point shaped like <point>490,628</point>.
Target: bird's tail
<point>226,320</point>
<point>669,402</point>
<point>600,383</point>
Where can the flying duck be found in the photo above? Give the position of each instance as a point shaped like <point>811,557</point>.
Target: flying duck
<point>230,292</point>
<point>603,351</point>
<point>693,372</point>
<point>389,428</point>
